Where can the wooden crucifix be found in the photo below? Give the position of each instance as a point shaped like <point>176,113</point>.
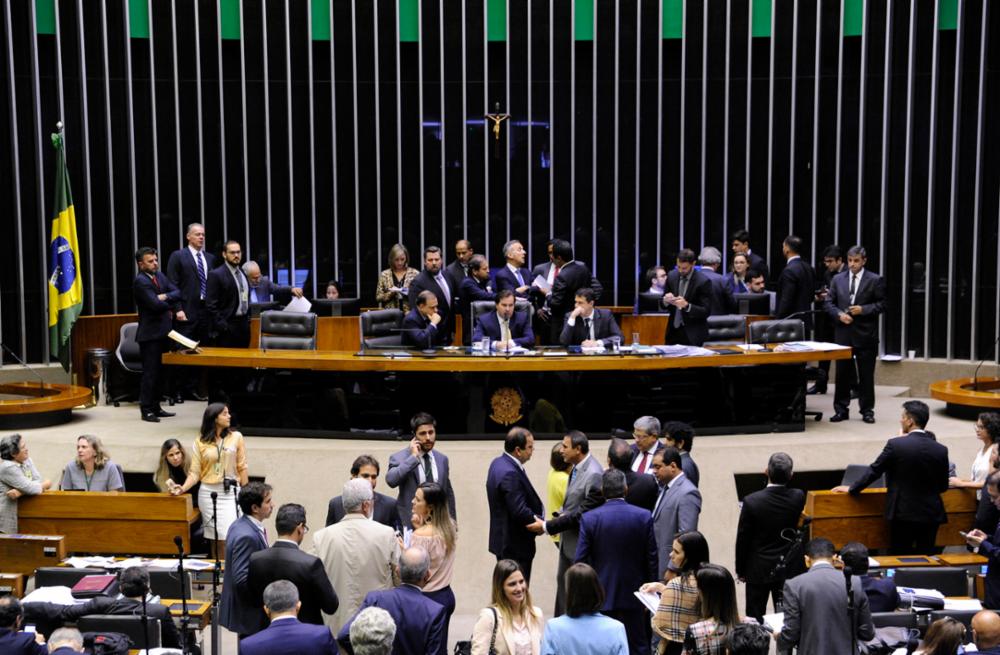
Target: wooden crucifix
<point>497,118</point>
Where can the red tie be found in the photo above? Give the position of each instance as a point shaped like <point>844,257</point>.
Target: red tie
<point>642,463</point>
<point>556,274</point>
<point>156,283</point>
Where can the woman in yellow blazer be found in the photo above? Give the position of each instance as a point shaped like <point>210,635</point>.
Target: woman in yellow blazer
<point>511,623</point>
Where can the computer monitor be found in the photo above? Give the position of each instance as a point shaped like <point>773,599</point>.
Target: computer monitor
<point>758,304</point>
<point>338,307</point>
<point>649,303</point>
<point>301,275</point>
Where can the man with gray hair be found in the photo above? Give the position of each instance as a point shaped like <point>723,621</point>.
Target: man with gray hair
<point>646,432</point>
<point>65,641</point>
<point>372,632</point>
<point>359,554</point>
<point>263,290</point>
<point>420,621</point>
<point>514,275</point>
<point>721,298</point>
<point>286,635</point>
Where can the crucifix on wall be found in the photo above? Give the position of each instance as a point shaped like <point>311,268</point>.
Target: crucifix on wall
<point>497,119</point>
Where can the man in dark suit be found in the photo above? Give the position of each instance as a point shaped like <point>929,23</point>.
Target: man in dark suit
<point>855,300</point>
<point>420,621</point>
<point>677,507</point>
<point>514,503</point>
<point>572,276</point>
<point>366,467</point>
<point>797,283</point>
<point>158,302</point>
<point>287,635</point>
<point>710,261</point>
<point>641,489</point>
<point>881,592</point>
<point>432,279</point>
<point>285,561</point>
<point>646,432</point>
<point>424,327</point>
<point>263,290</point>
<point>11,639</point>
<point>461,268</point>
<point>188,269</point>
<point>764,518</point>
<point>505,327</point>
<point>915,466</point>
<point>608,532</point>
<point>680,435</point>
<point>741,246</point>
<point>815,606</point>
<point>419,462</point>
<point>238,609</point>
<point>833,263</point>
<point>986,632</point>
<point>513,275</point>
<point>477,286</point>
<point>989,545</point>
<point>228,300</point>
<point>687,301</point>
<point>588,326</point>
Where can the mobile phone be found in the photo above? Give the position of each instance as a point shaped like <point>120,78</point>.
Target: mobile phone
<point>965,535</point>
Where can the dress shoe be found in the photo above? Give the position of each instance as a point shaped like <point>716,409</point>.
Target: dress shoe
<point>868,418</point>
<point>198,396</point>
<point>837,418</point>
<point>164,414</point>
<point>816,389</point>
<point>151,417</point>
<point>178,399</point>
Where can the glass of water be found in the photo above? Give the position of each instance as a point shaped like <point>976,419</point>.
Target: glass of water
<point>486,345</point>
<point>635,339</point>
<point>616,345</point>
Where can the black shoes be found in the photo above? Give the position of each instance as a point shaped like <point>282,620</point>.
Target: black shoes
<point>816,389</point>
<point>150,417</point>
<point>164,414</point>
<point>868,418</point>
<point>837,418</point>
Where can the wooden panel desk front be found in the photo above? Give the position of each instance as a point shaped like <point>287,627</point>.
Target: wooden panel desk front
<point>23,553</point>
<point>843,517</point>
<point>110,521</point>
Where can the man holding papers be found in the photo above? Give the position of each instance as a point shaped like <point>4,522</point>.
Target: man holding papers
<point>588,326</point>
<point>506,328</point>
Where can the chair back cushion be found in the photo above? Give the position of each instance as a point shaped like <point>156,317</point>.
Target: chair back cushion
<point>777,331</point>
<point>379,328</point>
<point>727,328</point>
<point>128,348</point>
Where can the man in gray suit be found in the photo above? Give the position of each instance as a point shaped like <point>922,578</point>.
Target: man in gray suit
<point>418,463</point>
<point>677,507</point>
<point>815,606</point>
<point>584,478</point>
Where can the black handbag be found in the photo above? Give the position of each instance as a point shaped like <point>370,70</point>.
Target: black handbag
<point>465,647</point>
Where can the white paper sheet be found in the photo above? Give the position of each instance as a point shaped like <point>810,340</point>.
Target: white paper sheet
<point>55,595</point>
<point>962,604</point>
<point>298,305</point>
<point>542,283</point>
<point>649,599</point>
<point>181,339</point>
<point>774,621</point>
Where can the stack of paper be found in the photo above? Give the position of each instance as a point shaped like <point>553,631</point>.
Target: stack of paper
<point>93,561</point>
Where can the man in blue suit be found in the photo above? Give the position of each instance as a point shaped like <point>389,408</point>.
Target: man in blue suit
<point>678,506</point>
<point>514,275</point>
<point>423,327</point>
<point>13,641</point>
<point>238,612</point>
<point>514,504</point>
<point>476,287</point>
<point>420,621</point>
<point>188,269</point>
<point>262,289</point>
<point>505,327</point>
<point>286,635</point>
<point>607,533</point>
<point>988,546</point>
<point>158,302</point>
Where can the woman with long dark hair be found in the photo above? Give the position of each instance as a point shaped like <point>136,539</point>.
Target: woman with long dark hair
<point>679,600</point>
<point>219,463</point>
<point>434,531</point>
<point>719,612</point>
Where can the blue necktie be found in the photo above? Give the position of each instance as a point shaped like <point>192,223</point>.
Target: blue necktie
<point>202,280</point>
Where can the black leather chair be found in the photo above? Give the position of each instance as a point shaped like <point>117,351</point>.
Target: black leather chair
<point>726,328</point>
<point>380,328</point>
<point>165,583</point>
<point>649,303</point>
<point>777,331</point>
<point>895,620</point>
<point>962,616</point>
<point>287,330</point>
<point>125,374</point>
<point>949,580</point>
<point>480,307</point>
<point>62,576</point>
<point>130,626</point>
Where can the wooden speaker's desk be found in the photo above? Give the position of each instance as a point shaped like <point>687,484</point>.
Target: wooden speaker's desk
<point>841,517</point>
<point>110,521</point>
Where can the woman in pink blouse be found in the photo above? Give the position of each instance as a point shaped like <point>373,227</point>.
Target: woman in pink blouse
<point>434,531</point>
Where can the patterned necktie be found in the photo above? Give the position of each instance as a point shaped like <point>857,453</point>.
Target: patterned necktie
<point>445,289</point>
<point>854,286</point>
<point>243,292</point>
<point>505,330</point>
<point>202,279</point>
<point>520,280</point>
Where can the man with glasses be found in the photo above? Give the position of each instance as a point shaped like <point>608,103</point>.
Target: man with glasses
<point>646,431</point>
<point>285,561</point>
<point>228,300</point>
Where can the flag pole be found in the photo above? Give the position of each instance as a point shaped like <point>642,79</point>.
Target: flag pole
<point>61,130</point>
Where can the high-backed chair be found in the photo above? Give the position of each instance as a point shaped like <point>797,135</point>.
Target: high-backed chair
<point>853,473</point>
<point>727,328</point>
<point>962,616</point>
<point>480,307</point>
<point>781,331</point>
<point>142,636</point>
<point>124,376</point>
<point>380,328</point>
<point>949,580</point>
<point>895,620</point>
<point>166,583</point>
<point>287,330</point>
<point>62,576</point>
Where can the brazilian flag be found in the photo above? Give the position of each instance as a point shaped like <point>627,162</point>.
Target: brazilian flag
<point>65,289</point>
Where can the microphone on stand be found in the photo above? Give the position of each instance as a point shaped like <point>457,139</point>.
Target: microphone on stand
<point>41,381</point>
<point>185,615</point>
<point>216,574</point>
<point>975,375</point>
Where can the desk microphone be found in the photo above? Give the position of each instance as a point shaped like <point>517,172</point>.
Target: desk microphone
<point>975,376</point>
<point>41,381</point>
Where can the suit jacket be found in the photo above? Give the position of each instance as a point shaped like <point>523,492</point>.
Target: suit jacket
<point>796,290</point>
<point>505,279</point>
<point>815,606</point>
<point>513,503</point>
<point>757,263</point>
<point>990,548</point>
<point>581,485</point>
<point>870,294</point>
<point>690,468</point>
<point>759,544</point>
<point>418,332</point>
<point>677,511</point>
<point>722,296</point>
<point>268,291</point>
<point>359,556</point>
<point>455,273</point>
<point>606,533</point>
<point>222,299</point>
<point>238,610</point>
<point>605,328</point>
<point>155,315</point>
<point>384,512</point>
<point>642,490</point>
<point>637,455</point>
<point>699,297</point>
<point>20,643</point>
<point>290,637</point>
<point>183,272</point>
<point>284,561</point>
<point>881,592</point>
<point>573,276</point>
<point>520,329</point>
<point>470,290</point>
<point>916,474</point>
<point>420,621</point>
<point>403,473</point>
<point>426,282</point>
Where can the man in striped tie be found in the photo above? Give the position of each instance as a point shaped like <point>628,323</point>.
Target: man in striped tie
<point>188,269</point>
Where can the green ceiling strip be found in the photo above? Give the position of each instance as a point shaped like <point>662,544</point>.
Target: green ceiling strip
<point>673,19</point>
<point>761,17</point>
<point>320,20</point>
<point>409,20</point>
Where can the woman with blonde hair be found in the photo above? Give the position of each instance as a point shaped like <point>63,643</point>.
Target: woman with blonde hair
<point>511,625</point>
<point>434,531</point>
<point>92,470</point>
<point>174,465</point>
<point>943,637</point>
<point>394,282</point>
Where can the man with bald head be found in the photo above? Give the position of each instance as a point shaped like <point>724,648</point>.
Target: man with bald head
<point>262,289</point>
<point>458,270</point>
<point>986,632</point>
